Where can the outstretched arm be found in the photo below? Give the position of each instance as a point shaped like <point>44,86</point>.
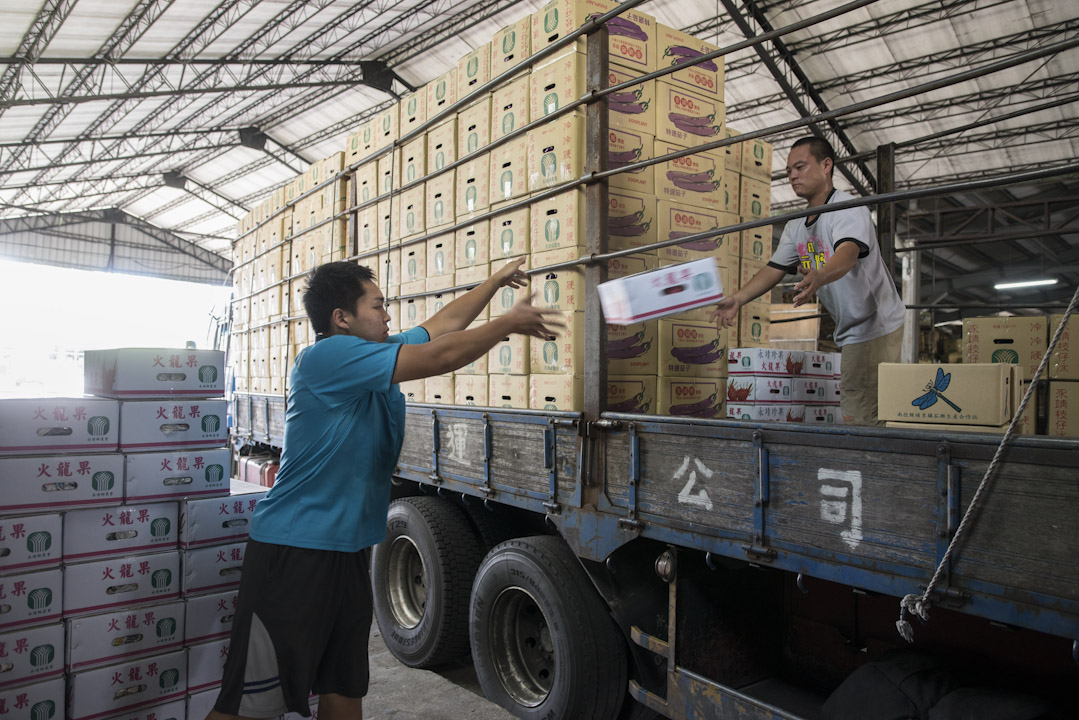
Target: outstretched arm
<point>460,313</point>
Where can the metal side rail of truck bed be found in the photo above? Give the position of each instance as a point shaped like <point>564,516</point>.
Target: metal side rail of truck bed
<point>869,508</point>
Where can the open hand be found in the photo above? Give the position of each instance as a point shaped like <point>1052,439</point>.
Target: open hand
<point>725,314</point>
<point>527,319</point>
<point>511,274</point>
<point>811,282</point>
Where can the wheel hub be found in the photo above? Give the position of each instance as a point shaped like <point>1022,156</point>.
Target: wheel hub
<point>523,647</point>
<point>407,582</point>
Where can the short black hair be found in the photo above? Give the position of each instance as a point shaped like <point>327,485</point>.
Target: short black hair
<point>819,148</point>
<point>331,286</point>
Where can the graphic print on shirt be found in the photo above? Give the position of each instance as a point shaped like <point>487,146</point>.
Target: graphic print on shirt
<point>812,255</point>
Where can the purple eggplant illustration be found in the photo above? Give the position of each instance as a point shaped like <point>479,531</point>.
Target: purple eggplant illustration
<point>696,182</point>
<point>625,353</point>
<point>630,230</point>
<point>624,98</point>
<point>699,355</point>
<point>702,120</point>
<point>627,405</point>
<point>625,342</point>
<point>625,219</point>
<point>625,28</point>
<point>683,55</point>
<point>634,108</point>
<point>705,245</point>
<point>618,158</point>
<point>695,409</point>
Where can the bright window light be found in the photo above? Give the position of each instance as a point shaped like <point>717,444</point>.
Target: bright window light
<point>1025,284</point>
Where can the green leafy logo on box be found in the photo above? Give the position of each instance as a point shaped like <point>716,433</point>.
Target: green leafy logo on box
<point>509,41</point>
<point>39,598</point>
<point>550,354</point>
<point>550,103</point>
<point>507,297</point>
<point>208,374</point>
<point>367,134</point>
<point>161,579</point>
<point>367,237</point>
<point>44,710</point>
<point>473,67</point>
<point>1005,356</point>
<point>214,473</point>
<point>758,248</point>
<point>473,142</point>
<point>42,656</point>
<point>756,331</point>
<point>101,481</point>
<point>507,123</point>
<point>507,241</point>
<point>440,261</point>
<point>411,109</point>
<point>97,426</point>
<point>355,144</point>
<point>440,90</point>
<point>386,123</point>
<point>160,527</point>
<point>470,197</point>
<point>549,165</point>
<point>38,541</point>
<point>550,20</point>
<point>440,160</point>
<point>506,184</point>
<point>758,151</point>
<point>505,356</point>
<point>410,172</point>
<point>438,210</point>
<point>550,292</point>
<point>550,406</point>
<point>413,271</point>
<point>169,679</point>
<point>552,229</point>
<point>211,423</point>
<point>756,207</point>
<point>166,627</point>
<point>470,250</point>
<point>411,313</point>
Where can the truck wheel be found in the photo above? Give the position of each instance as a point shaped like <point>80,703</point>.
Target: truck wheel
<point>543,642</point>
<point>492,527</point>
<point>421,576</point>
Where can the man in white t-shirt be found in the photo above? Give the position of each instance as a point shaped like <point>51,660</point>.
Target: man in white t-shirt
<point>840,262</point>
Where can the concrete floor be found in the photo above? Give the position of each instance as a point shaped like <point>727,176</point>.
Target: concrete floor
<point>404,693</point>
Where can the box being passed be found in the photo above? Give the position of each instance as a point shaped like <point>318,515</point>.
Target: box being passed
<point>657,293</point>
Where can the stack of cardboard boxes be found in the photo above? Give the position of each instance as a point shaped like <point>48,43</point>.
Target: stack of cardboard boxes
<point>98,536</point>
<point>774,385</point>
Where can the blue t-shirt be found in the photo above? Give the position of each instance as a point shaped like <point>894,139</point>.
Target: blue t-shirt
<point>343,431</point>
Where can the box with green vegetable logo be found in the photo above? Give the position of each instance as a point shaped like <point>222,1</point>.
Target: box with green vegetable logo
<point>563,393</point>
<point>413,111</point>
<point>30,542</point>
<point>756,160</point>
<point>31,598</point>
<point>438,390</point>
<point>510,107</point>
<point>559,288</point>
<point>506,297</point>
<point>36,701</point>
<point>411,163</point>
<point>473,70</point>
<point>147,425</point>
<point>115,636</point>
<point>34,426</point>
<point>556,82</point>
<point>99,585</point>
<point>1016,340</point>
<point>474,126</point>
<point>413,220</point>
<point>441,201</point>
<point>441,92</point>
<point>756,244</point>
<point>143,683</point>
<point>508,178</point>
<point>32,655</point>
<point>508,391</point>
<point>442,144</point>
<point>558,222</point>
<point>754,198</point>
<point>470,390</point>
<point>58,482</point>
<point>386,123</point>
<point>133,528</point>
<point>562,353</point>
<point>472,245</point>
<point>474,186</point>
<point>511,45</point>
<point>509,357</point>
<point>556,152</point>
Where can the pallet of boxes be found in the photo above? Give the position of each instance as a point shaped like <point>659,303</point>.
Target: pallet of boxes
<point>102,499</point>
<point>772,385</point>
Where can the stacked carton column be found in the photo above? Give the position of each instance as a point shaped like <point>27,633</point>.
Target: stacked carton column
<point>782,386</point>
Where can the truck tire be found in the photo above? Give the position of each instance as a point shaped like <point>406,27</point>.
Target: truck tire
<point>492,527</point>
<point>543,642</point>
<point>421,575</point>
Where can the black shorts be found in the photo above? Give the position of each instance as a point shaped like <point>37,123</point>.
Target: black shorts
<point>302,623</point>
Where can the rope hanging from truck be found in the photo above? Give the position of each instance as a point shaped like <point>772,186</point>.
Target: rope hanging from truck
<point>919,605</point>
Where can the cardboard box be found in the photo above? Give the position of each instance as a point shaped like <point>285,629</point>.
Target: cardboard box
<point>818,364</point>
<point>209,617</point>
<point>635,394</point>
<point>59,482</point>
<point>691,349</point>
<point>510,107</point>
<point>754,198</point>
<point>834,391</point>
<point>661,292</point>
<point>627,265</point>
<point>508,391</point>
<point>439,389</point>
<point>556,152</point>
<point>1062,365</point>
<point>413,264</point>
<point>35,701</point>
<point>634,108</point>
<point>31,542</point>
<point>633,349</point>
<point>386,123</point>
<point>823,415</point>
<point>690,397</point>
<point>556,82</point>
<point>367,237</point>
<point>510,356</point>
<point>199,705</point>
<point>213,568</point>
<point>33,426</point>
<point>413,312</point>
<point>470,390</point>
<point>507,296</point>
<point>473,70</point>
<point>632,33</point>
<point>154,372</point>
<point>756,160</point>
<point>558,222</point>
<point>413,162</point>
<point>690,180</point>
<point>32,598</point>
<point>358,145</point>
<point>1016,340</point>
<point>413,214</point>
<point>561,289</point>
<point>632,221</point>
<point>511,45</point>
<point>1063,409</point>
<point>510,234</point>
<point>473,245</point>
<point>473,186</point>
<point>441,93</point>
<point>135,528</point>
<point>562,353</point>
<point>728,187</point>
<point>435,303</point>
<point>176,474</point>
<point>149,681</point>
<point>768,412</point>
<point>440,260</point>
<point>756,244</point>
<point>966,394</point>
<point>470,277</point>
<point>754,325</point>
<point>564,393</point>
<point>119,635</point>
<point>97,586</point>
<point>206,664</point>
<point>32,655</point>
<point>169,424</point>
<point>474,126</point>
<point>629,146</point>
<point>211,521</point>
<point>389,171</point>
<point>413,111</point>
<point>675,47</point>
<point>509,171</point>
<point>442,145</point>
<point>676,220</point>
<point>390,274</point>
<point>756,389</point>
<point>413,390</point>
<point>765,362</point>
<point>687,118</point>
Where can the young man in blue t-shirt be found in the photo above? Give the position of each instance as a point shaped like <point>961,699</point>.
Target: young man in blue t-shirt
<point>837,255</point>
<point>304,608</point>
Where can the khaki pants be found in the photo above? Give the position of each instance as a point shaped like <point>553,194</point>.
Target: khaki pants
<point>858,389</point>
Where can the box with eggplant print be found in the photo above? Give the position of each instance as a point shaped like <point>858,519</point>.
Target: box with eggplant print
<point>632,349</point>
<point>676,220</point>
<point>633,108</point>
<point>692,349</point>
<point>631,394</point>
<point>692,179</point>
<point>632,33</point>
<point>688,118</point>
<point>690,397</point>
<point>631,220</point>
<point>625,147</point>
<point>674,47</point>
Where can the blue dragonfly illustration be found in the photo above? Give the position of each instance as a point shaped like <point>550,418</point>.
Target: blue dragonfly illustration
<point>935,390</point>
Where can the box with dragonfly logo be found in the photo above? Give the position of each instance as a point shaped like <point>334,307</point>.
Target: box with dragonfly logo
<point>953,394</point>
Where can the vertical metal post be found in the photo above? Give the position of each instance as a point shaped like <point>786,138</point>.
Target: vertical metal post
<point>353,218</point>
<point>596,143</point>
<point>910,291</point>
<point>886,212</point>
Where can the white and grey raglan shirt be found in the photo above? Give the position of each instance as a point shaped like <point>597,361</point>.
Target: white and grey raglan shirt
<point>864,302</point>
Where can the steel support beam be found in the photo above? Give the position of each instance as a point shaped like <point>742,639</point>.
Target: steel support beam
<point>596,211</point>
<point>48,21</point>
